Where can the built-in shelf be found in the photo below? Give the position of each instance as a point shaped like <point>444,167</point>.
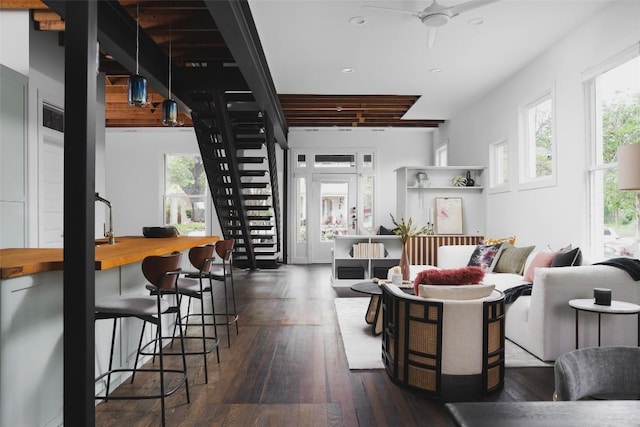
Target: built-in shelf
<point>415,198</point>
<point>349,267</point>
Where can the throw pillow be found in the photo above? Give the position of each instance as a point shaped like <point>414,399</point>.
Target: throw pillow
<point>542,259</point>
<point>485,256</point>
<point>567,257</point>
<point>464,292</point>
<point>512,259</point>
<point>449,276</point>
<point>384,231</point>
<point>489,241</point>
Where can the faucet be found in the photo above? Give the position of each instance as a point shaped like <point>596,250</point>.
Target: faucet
<point>109,234</point>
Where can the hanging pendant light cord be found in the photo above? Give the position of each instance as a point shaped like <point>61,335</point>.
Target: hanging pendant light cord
<point>137,34</point>
<point>170,60</point>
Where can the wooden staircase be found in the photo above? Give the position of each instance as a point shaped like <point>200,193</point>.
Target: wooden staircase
<point>238,152</point>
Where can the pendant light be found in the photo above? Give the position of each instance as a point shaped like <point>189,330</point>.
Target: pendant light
<point>169,106</point>
<point>137,84</point>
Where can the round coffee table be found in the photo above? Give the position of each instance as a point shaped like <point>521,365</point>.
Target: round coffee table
<point>372,316</point>
<point>616,307</point>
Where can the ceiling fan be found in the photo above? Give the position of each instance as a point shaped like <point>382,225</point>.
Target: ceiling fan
<point>436,15</point>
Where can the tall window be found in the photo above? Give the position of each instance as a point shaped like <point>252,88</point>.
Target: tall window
<point>614,117</point>
<point>499,167</point>
<point>442,154</point>
<point>185,193</point>
<point>537,147</point>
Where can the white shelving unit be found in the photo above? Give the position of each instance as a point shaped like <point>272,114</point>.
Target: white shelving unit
<point>418,202</point>
<point>345,258</point>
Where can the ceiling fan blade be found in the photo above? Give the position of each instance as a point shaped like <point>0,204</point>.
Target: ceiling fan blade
<point>390,9</point>
<point>456,10</point>
<point>432,33</point>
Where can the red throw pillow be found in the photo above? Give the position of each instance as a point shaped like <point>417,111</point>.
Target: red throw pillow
<point>449,276</point>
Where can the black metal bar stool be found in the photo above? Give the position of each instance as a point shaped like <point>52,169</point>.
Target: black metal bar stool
<point>162,273</point>
<point>197,284</point>
<point>224,249</point>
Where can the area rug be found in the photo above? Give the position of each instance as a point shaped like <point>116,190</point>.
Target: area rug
<point>364,350</point>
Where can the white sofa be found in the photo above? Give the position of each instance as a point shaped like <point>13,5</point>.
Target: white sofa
<point>543,323</point>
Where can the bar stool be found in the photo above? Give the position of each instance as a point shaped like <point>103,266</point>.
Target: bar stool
<point>224,249</point>
<point>195,286</point>
<point>162,273</point>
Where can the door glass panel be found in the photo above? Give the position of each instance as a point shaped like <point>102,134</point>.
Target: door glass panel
<point>335,161</point>
<point>367,202</point>
<point>333,209</point>
<point>301,209</point>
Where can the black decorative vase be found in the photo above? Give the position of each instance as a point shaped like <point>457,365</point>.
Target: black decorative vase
<point>470,181</point>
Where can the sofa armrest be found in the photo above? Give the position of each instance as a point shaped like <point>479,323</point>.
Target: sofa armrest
<point>552,321</point>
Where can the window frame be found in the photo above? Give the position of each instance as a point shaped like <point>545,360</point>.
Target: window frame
<point>597,166</point>
<point>494,170</point>
<point>527,162</point>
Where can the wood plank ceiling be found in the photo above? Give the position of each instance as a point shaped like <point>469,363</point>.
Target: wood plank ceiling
<point>197,42</point>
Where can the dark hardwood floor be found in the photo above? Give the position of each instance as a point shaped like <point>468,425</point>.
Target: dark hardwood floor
<point>287,367</point>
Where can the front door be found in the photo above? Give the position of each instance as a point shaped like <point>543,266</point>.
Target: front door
<point>332,213</point>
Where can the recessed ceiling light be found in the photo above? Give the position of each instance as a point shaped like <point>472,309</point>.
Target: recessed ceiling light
<point>347,70</point>
<point>434,70</point>
<point>357,20</point>
<point>476,21</point>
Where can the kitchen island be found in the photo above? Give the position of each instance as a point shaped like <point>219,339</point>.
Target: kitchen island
<point>31,320</point>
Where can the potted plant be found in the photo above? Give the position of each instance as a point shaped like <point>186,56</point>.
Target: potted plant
<point>406,230</point>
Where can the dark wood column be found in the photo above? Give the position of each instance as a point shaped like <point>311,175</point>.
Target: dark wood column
<point>79,208</point>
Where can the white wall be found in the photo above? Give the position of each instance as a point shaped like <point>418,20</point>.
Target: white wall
<point>557,215</point>
<point>135,174</point>
<point>14,40</point>
<point>394,148</point>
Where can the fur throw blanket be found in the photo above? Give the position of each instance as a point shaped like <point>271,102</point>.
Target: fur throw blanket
<point>451,276</point>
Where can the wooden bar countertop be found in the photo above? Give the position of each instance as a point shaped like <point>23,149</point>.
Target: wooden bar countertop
<point>127,250</point>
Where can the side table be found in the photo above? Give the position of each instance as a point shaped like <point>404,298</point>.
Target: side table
<point>372,316</point>
<point>616,307</point>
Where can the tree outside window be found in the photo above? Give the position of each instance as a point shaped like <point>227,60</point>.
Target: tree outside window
<point>185,194</point>
<point>537,142</point>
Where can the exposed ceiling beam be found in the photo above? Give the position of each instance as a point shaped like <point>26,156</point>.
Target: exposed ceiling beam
<point>234,19</point>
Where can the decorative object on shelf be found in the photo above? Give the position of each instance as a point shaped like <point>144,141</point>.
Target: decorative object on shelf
<point>169,105</point>
<point>396,275</point>
<point>449,215</point>
<point>406,230</point>
<point>459,181</point>
<point>422,180</point>
<point>137,88</point>
<point>469,182</point>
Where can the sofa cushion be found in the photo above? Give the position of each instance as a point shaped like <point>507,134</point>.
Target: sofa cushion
<point>567,257</point>
<point>453,292</point>
<point>542,259</point>
<point>485,256</point>
<point>512,259</point>
<point>491,241</point>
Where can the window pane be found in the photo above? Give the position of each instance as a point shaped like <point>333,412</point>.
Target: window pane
<point>185,194</point>
<point>616,122</point>
<point>540,139</point>
<point>335,161</point>
<point>499,162</point>
<point>618,108</point>
<point>367,161</point>
<point>333,209</point>
<point>302,161</point>
<point>620,220</point>
<point>367,192</point>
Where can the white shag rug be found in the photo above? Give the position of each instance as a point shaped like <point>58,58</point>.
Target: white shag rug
<point>364,351</point>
